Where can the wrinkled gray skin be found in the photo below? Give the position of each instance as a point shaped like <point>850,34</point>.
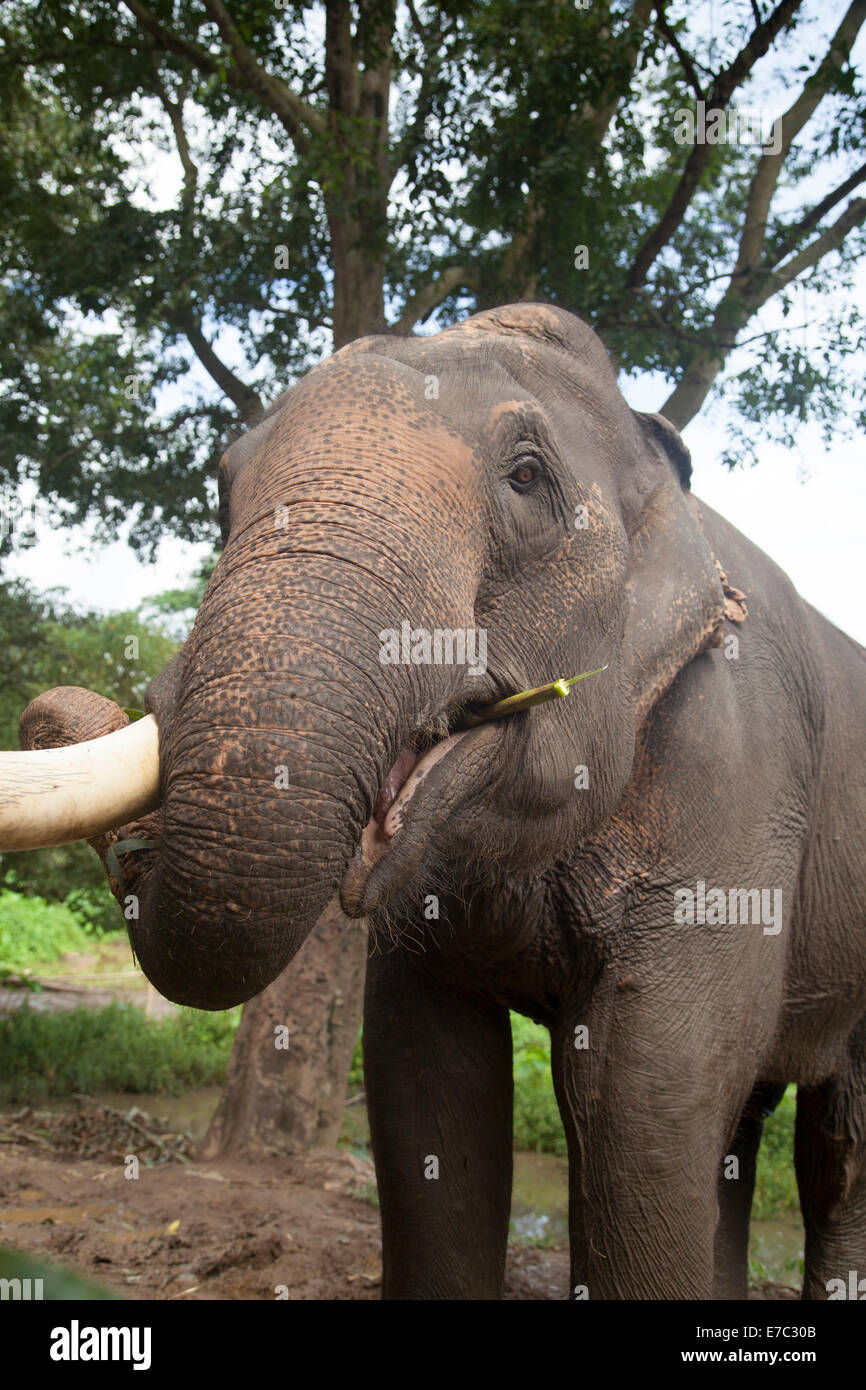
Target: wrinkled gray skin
<point>451,503</point>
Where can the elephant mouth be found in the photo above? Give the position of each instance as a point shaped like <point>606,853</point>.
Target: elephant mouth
<point>427,771</point>
<point>424,750</point>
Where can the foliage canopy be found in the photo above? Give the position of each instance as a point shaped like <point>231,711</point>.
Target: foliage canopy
<point>237,185</point>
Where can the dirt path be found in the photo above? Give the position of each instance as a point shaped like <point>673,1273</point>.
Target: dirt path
<point>221,1231</point>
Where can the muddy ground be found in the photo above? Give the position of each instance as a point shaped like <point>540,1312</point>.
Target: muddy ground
<point>226,1230</point>
<point>184,1230</point>
<point>303,1227</point>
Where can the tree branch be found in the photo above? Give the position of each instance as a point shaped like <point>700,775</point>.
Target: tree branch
<point>744,296</point>
<point>422,303</point>
<point>830,240</point>
<point>174,111</point>
<point>513,262</point>
<point>724,86</point>
<point>810,220</point>
<point>171,42</point>
<point>416,20</point>
<point>290,109</point>
<point>669,35</point>
<point>600,117</point>
<point>433,45</point>
<point>248,402</point>
<point>789,125</point>
<point>752,281</point>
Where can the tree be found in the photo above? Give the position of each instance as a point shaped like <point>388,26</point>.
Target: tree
<point>300,210</point>
<point>360,165</point>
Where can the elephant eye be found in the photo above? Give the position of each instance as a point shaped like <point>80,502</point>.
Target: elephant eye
<point>524,473</point>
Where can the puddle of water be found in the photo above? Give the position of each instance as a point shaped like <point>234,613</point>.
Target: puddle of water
<point>539,1200</point>
<point>539,1207</point>
<point>777,1245</point>
<point>190,1112</point>
<point>539,1216</point>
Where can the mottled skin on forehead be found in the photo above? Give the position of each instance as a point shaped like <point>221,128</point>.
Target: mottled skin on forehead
<point>549,354</point>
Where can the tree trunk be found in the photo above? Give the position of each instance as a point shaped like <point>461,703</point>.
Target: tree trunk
<point>282,1100</point>
<point>359,286</point>
<point>286,1081</point>
<point>695,384</point>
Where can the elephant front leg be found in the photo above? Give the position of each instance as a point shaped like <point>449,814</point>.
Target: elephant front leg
<point>644,1148</point>
<point>438,1077</point>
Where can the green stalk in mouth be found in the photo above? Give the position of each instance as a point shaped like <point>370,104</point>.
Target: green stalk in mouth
<point>514,704</point>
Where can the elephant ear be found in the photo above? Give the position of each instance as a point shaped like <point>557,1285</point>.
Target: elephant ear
<point>676,588</point>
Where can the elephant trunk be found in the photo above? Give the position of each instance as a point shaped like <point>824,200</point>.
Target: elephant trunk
<point>281,729</point>
<point>273,755</point>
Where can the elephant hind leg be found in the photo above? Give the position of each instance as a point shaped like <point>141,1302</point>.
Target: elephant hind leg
<point>735,1190</point>
<point>830,1158</point>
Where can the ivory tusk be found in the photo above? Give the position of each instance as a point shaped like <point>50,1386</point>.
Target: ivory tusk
<point>51,796</point>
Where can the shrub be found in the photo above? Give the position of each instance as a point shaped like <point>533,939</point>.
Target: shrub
<point>33,931</point>
<point>115,1049</point>
<point>537,1123</point>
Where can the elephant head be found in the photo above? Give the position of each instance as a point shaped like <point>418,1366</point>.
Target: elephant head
<point>490,480</point>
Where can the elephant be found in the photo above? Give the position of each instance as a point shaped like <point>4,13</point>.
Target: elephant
<point>664,868</point>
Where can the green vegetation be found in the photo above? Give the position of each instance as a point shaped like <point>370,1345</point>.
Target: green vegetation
<point>776,1185</point>
<point>48,641</point>
<point>119,1049</point>
<point>34,932</point>
<point>537,1125</point>
<point>57,1283</point>
<point>115,1049</point>
<point>535,151</point>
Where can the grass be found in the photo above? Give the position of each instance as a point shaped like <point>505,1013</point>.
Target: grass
<point>112,1049</point>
